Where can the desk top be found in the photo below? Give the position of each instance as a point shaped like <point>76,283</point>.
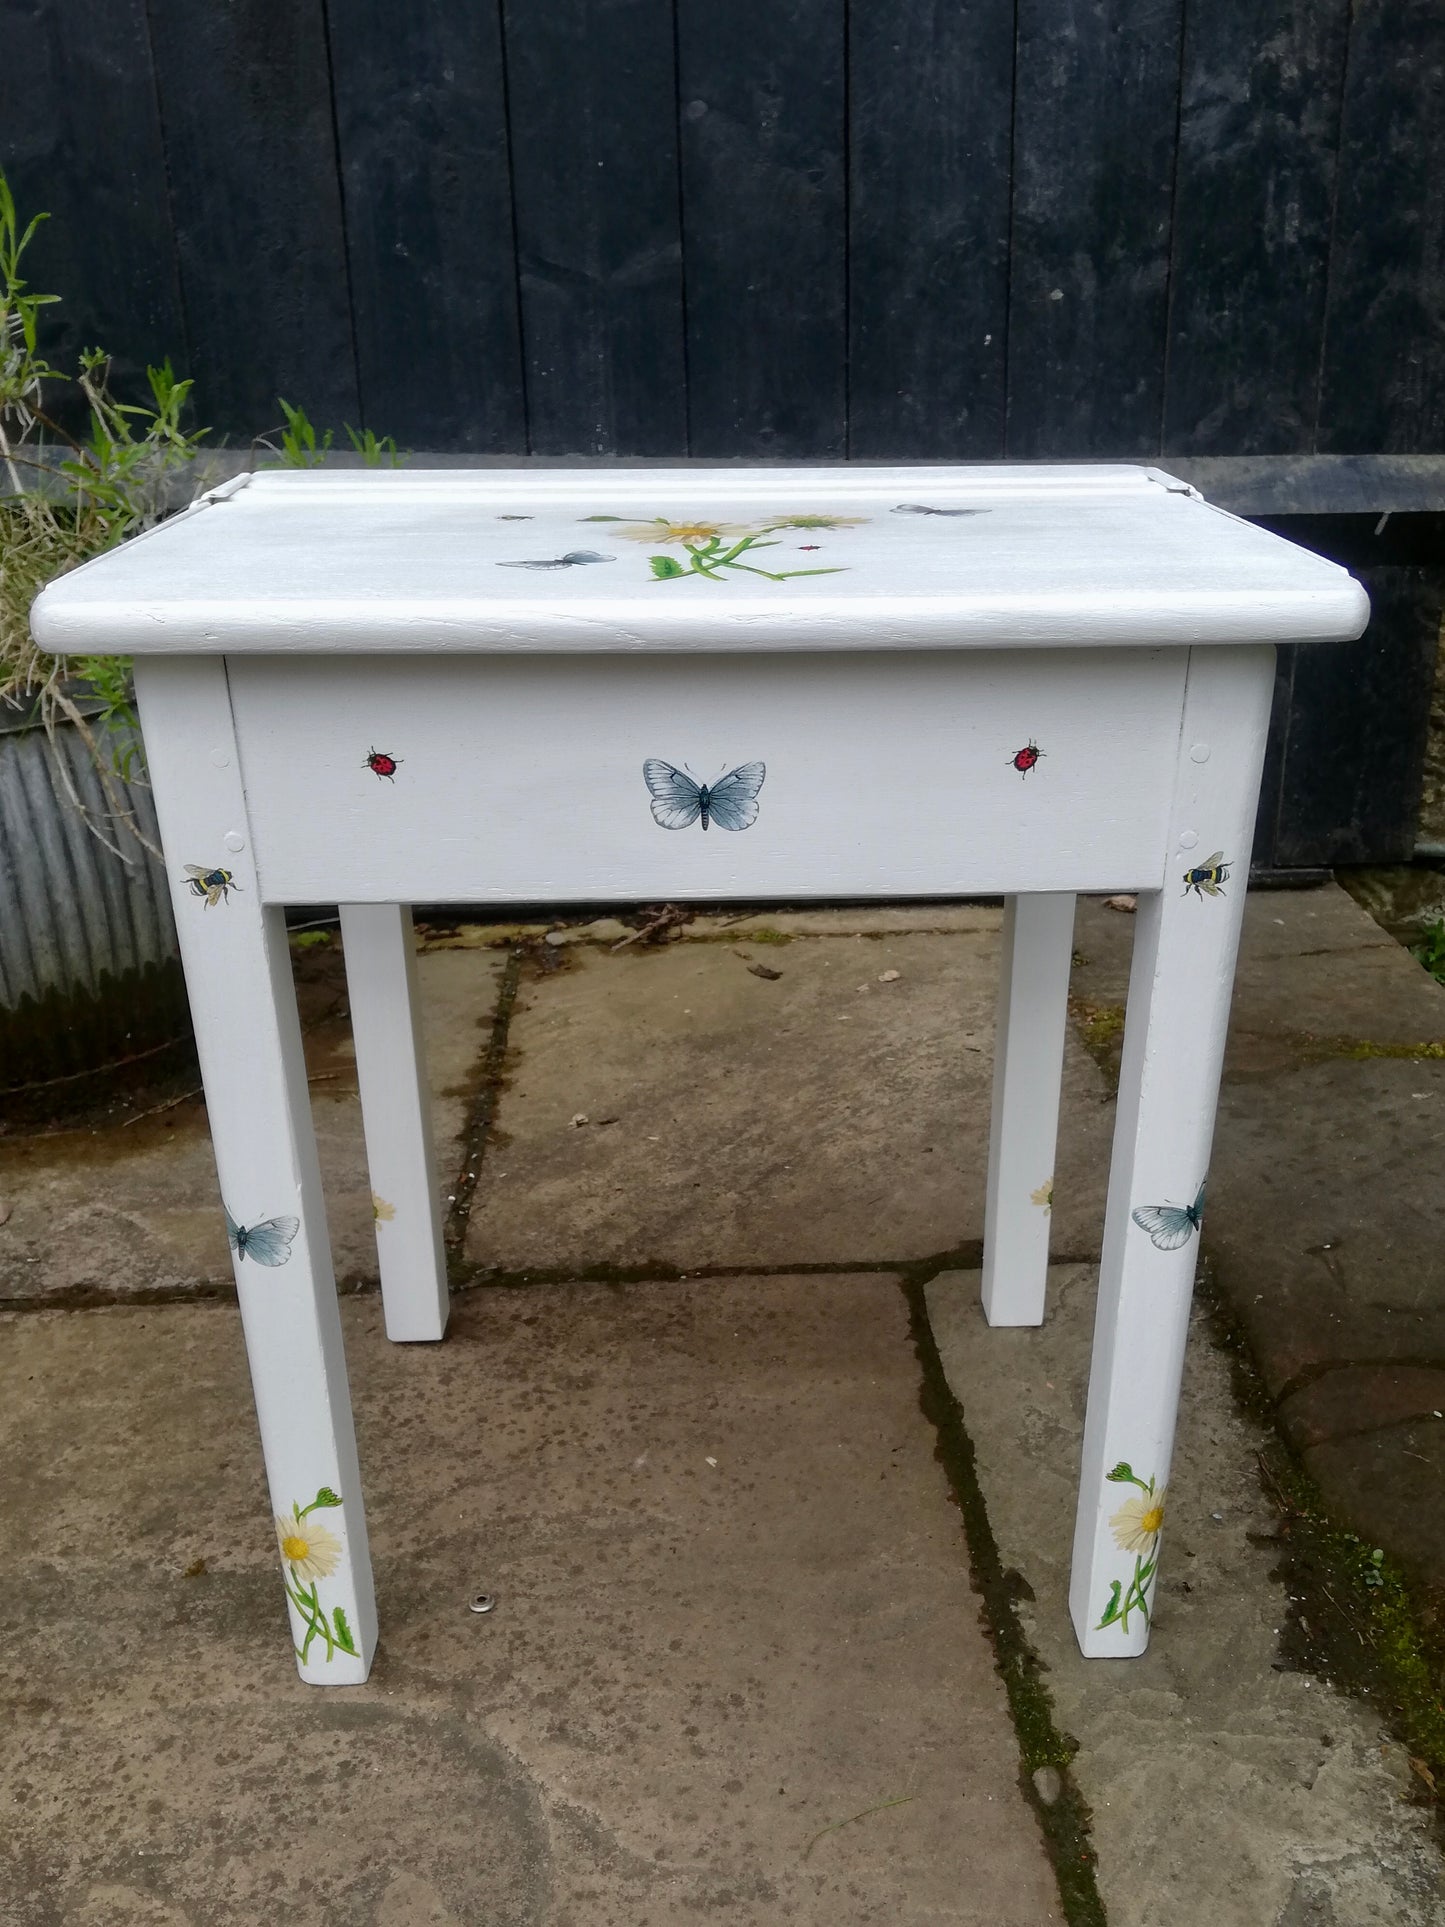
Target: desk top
<point>696,558</point>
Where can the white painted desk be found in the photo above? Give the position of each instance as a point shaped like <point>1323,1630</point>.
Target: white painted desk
<point>699,684</point>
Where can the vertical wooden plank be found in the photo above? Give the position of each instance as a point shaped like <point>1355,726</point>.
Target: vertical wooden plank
<point>930,110</point>
<point>1094,131</point>
<point>422,131</point>
<point>246,108</point>
<point>80,136</point>
<point>1355,736</point>
<point>594,150</point>
<point>764,225</point>
<point>1383,384</point>
<point>1258,135</point>
<point>1271,782</point>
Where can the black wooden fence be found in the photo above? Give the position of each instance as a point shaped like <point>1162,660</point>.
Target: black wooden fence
<point>816,228</point>
<point>947,229</point>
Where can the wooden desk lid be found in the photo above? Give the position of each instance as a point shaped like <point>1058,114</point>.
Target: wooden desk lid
<point>697,558</point>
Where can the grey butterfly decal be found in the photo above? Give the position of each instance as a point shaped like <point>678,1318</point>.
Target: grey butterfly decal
<point>919,508</point>
<point>268,1243</point>
<point>573,559</point>
<point>679,799</point>
<point>1170,1225</point>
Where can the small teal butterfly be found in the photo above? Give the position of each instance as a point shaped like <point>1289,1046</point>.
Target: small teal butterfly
<point>268,1243</point>
<point>1170,1225</point>
<point>678,800</point>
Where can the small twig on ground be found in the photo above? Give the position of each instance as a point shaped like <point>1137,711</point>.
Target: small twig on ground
<point>758,969</point>
<point>667,918</point>
<point>95,1070</point>
<point>156,1109</point>
<point>321,1077</point>
<point>882,1807</point>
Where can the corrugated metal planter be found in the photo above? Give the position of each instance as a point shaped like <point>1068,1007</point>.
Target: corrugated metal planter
<point>89,969</point>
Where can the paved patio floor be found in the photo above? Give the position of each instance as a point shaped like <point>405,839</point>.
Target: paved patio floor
<point>714,1407</point>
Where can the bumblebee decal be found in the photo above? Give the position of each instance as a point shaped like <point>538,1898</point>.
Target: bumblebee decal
<point>1205,878</point>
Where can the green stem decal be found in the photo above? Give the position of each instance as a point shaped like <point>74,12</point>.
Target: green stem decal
<point>707,557</point>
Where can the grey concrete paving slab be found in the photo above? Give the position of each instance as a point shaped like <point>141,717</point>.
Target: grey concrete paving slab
<point>1327,1218</point>
<point>1313,968</point>
<point>736,1668</point>
<point>821,1115</point>
<point>1349,1400</point>
<point>136,1208</point>
<point>1225,1792</point>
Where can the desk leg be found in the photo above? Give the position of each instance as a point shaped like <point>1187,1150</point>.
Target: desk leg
<point>1185,941</point>
<point>1038,940</point>
<point>243,1002</point>
<point>396,1110</point>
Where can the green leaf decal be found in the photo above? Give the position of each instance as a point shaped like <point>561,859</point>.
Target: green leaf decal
<point>665,568</point>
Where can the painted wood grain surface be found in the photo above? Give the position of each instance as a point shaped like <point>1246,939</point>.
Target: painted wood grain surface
<point>255,195</point>
<point>885,229</point>
<point>1384,362</point>
<point>762,102</point>
<point>594,158</point>
<point>1095,108</point>
<point>81,138</point>
<point>422,143</point>
<point>1254,206</point>
<point>929,136</point>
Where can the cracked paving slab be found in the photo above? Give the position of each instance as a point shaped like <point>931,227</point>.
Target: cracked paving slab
<point>1224,1790</point>
<point>734,1612</point>
<point>817,1116</point>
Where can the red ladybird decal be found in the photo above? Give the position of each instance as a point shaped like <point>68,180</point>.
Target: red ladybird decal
<point>383,765</point>
<point>1024,759</point>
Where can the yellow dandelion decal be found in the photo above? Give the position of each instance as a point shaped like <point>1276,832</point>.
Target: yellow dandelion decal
<point>664,531</point>
<point>381,1210</point>
<point>1044,1196</point>
<point>311,1549</point>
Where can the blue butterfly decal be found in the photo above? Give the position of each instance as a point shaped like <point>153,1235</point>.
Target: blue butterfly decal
<point>268,1243</point>
<point>677,800</point>
<point>1170,1225</point>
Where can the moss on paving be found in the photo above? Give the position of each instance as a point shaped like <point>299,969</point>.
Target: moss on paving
<point>1101,1029</point>
<point>1353,1617</point>
<point>1363,1048</point>
<point>1065,1821</point>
